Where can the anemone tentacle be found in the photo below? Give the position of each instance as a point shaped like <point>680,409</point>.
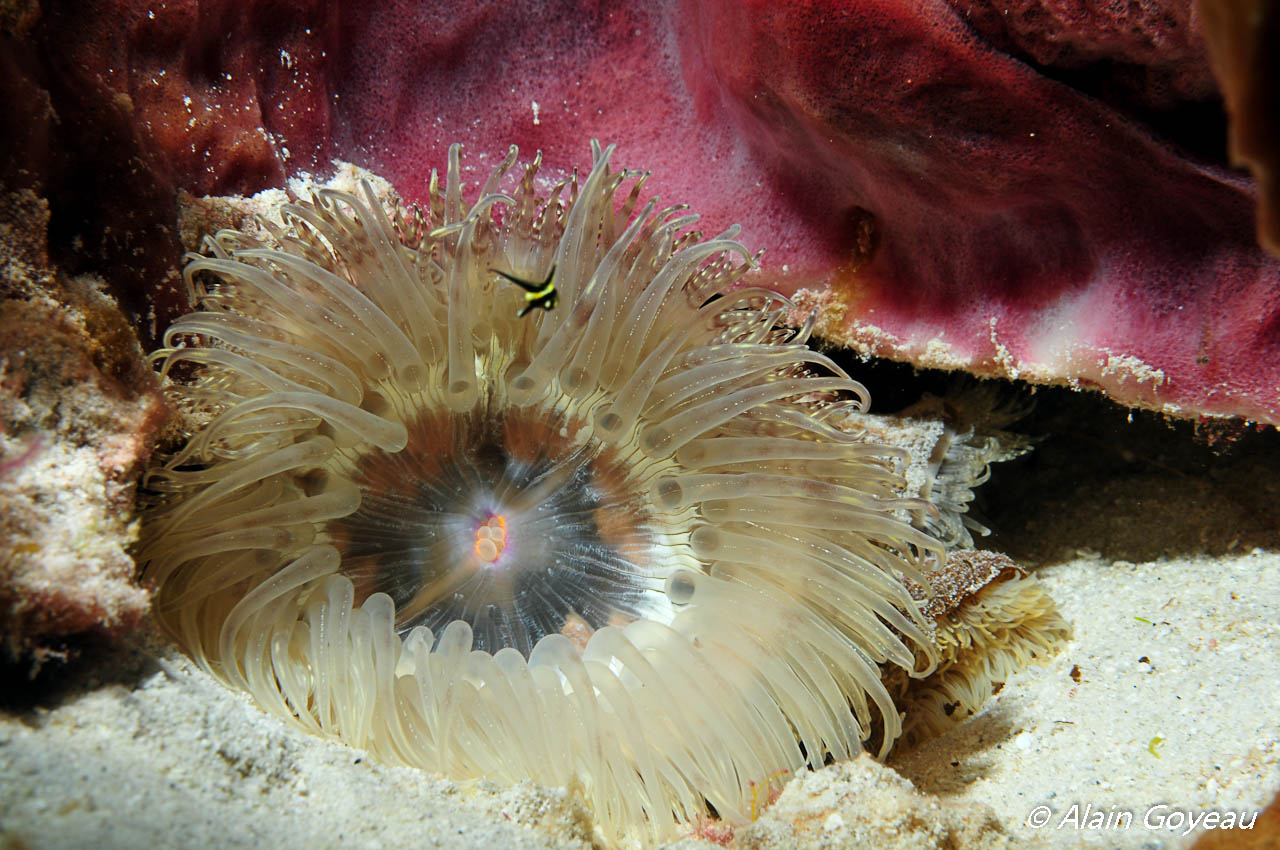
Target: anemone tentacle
<point>625,543</point>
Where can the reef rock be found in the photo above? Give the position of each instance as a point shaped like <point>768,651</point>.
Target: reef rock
<point>78,411</point>
<point>1040,194</point>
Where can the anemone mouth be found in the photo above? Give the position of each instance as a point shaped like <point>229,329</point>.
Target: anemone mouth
<point>501,518</point>
<point>626,543</point>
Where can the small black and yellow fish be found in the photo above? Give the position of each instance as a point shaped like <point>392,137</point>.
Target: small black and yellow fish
<point>537,294</point>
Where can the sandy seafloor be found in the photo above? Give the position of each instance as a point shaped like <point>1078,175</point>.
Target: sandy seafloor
<point>166,757</point>
<point>1176,706</point>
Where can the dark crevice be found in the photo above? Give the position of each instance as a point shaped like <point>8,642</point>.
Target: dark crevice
<point>1126,484</point>
<point>62,671</point>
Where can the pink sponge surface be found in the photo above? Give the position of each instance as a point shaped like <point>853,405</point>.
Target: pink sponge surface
<point>1021,227</point>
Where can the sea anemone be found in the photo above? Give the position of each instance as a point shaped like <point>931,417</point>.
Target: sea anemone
<point>992,619</point>
<point>628,544</point>
<point>969,422</point>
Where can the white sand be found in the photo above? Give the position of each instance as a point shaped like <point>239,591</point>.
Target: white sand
<point>176,760</point>
<point>1201,676</point>
<point>180,761</point>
